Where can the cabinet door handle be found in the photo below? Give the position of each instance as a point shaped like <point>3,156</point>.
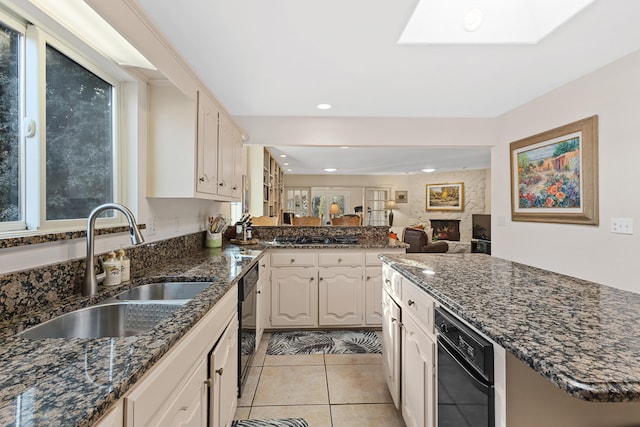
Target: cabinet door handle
<point>387,281</point>
<point>263,265</point>
<point>234,188</point>
<point>258,292</point>
<point>368,277</point>
<point>311,279</point>
<point>219,371</point>
<point>293,260</point>
<point>321,279</point>
<point>394,320</point>
<point>221,184</point>
<point>201,179</point>
<point>410,302</point>
<point>207,382</point>
<point>339,260</point>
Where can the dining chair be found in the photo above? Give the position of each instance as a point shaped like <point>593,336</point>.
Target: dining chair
<point>265,220</point>
<point>306,220</point>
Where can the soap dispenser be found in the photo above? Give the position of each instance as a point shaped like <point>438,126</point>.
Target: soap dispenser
<point>112,268</point>
<point>125,265</point>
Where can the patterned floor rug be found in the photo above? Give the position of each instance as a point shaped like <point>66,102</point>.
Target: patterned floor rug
<point>323,342</point>
<point>281,422</point>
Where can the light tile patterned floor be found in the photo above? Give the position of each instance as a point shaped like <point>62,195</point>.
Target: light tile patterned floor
<point>332,390</point>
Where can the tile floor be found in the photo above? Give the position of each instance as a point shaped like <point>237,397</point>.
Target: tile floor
<point>331,390</point>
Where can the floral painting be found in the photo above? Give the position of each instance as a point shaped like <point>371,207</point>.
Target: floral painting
<point>549,176</point>
<point>554,175</point>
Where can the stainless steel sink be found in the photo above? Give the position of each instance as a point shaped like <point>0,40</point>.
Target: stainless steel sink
<point>119,319</point>
<point>169,291</point>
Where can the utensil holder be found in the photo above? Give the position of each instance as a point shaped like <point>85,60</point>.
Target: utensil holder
<point>213,240</point>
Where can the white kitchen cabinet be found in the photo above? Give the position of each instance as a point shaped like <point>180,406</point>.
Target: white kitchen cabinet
<point>207,143</point>
<point>373,296</point>
<point>263,295</point>
<point>373,285</point>
<point>418,375</point>
<point>391,339</point>
<point>229,158</point>
<point>175,391</point>
<point>340,296</point>
<point>187,157</point>
<point>223,368</point>
<point>294,297</point>
<point>114,417</point>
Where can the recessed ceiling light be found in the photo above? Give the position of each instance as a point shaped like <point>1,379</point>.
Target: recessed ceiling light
<point>472,20</point>
<point>285,164</point>
<point>330,169</point>
<point>283,155</point>
<point>289,170</point>
<point>428,170</point>
<point>344,147</point>
<point>323,106</point>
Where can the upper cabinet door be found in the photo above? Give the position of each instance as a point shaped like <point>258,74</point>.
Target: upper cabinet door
<point>225,157</point>
<point>207,173</point>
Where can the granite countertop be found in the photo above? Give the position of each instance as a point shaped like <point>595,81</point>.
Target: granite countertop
<point>580,335</point>
<point>55,382</point>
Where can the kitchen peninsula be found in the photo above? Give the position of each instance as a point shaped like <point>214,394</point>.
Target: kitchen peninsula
<point>577,335</point>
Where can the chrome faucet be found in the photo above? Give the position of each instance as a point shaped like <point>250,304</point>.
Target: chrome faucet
<point>90,281</point>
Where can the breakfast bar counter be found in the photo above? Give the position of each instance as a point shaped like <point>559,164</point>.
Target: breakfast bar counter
<point>580,335</point>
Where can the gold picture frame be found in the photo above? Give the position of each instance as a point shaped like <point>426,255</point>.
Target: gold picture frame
<point>554,175</point>
<point>445,197</point>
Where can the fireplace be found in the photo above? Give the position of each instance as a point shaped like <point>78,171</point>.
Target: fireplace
<point>446,229</point>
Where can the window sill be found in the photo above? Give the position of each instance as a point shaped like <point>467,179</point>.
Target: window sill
<point>28,237</point>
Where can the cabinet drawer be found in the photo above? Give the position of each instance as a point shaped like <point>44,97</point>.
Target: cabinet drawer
<point>340,259</point>
<point>293,259</point>
<point>371,258</point>
<point>418,303</point>
<point>392,282</point>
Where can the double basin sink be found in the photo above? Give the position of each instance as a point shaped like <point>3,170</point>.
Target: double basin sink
<point>131,312</point>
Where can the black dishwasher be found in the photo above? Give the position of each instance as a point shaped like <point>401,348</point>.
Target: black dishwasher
<point>247,311</point>
<point>465,375</point>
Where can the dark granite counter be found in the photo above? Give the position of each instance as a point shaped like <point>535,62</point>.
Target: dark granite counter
<point>581,336</point>
<point>72,382</point>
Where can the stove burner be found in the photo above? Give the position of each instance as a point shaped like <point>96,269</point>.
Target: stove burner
<point>316,240</point>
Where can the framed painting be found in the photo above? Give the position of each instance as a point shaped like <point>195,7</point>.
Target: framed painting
<point>402,196</point>
<point>554,175</point>
<point>445,197</point>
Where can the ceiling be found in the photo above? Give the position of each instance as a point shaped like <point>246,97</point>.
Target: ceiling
<point>280,58</point>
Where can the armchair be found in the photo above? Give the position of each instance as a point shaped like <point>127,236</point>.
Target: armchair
<point>418,241</point>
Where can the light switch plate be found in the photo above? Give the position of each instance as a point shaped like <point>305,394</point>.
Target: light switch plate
<point>622,225</point>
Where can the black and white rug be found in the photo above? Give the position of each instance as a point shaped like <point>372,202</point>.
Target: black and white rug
<point>280,422</point>
<point>323,342</point>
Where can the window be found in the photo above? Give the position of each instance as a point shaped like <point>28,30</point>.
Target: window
<point>297,200</point>
<point>375,199</point>
<point>321,202</point>
<point>79,139</point>
<point>54,177</point>
<point>10,113</point>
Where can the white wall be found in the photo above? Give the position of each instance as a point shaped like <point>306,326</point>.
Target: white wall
<point>590,252</point>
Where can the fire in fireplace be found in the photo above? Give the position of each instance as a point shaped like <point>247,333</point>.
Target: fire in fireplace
<point>446,229</point>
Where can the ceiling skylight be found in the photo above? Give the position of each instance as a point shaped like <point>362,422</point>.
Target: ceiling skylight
<point>487,21</point>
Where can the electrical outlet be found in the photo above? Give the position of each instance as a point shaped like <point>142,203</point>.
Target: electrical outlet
<point>152,226</point>
<point>622,225</point>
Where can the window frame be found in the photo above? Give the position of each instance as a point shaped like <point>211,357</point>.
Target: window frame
<point>19,27</point>
<point>33,150</point>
